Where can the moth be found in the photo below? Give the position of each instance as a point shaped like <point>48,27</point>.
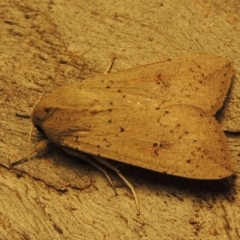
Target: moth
<point>158,116</point>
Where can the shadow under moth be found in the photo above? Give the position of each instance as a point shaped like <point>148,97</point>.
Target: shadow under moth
<point>158,116</point>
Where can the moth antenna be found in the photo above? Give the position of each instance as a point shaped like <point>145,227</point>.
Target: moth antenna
<point>117,171</point>
<point>29,141</point>
<point>55,76</point>
<point>40,146</point>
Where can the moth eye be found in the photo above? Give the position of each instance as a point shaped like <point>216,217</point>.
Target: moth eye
<point>39,129</point>
<point>47,110</point>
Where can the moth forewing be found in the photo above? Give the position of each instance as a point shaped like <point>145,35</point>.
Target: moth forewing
<point>201,81</point>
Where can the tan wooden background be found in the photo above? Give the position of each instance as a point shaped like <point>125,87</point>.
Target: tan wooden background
<point>56,196</point>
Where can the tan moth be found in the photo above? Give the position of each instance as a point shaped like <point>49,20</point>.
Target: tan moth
<point>157,116</point>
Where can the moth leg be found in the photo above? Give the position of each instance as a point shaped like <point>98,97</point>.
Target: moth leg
<point>86,158</point>
<point>110,66</point>
<point>40,147</point>
<point>109,165</point>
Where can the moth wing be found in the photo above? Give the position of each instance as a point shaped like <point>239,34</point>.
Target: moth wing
<point>180,140</point>
<point>201,81</point>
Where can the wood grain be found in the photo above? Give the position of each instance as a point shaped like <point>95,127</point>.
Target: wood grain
<point>76,202</point>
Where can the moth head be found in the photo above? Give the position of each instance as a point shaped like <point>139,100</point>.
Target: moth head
<point>53,112</point>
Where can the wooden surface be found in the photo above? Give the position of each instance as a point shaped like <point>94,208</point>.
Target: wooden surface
<point>56,196</point>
